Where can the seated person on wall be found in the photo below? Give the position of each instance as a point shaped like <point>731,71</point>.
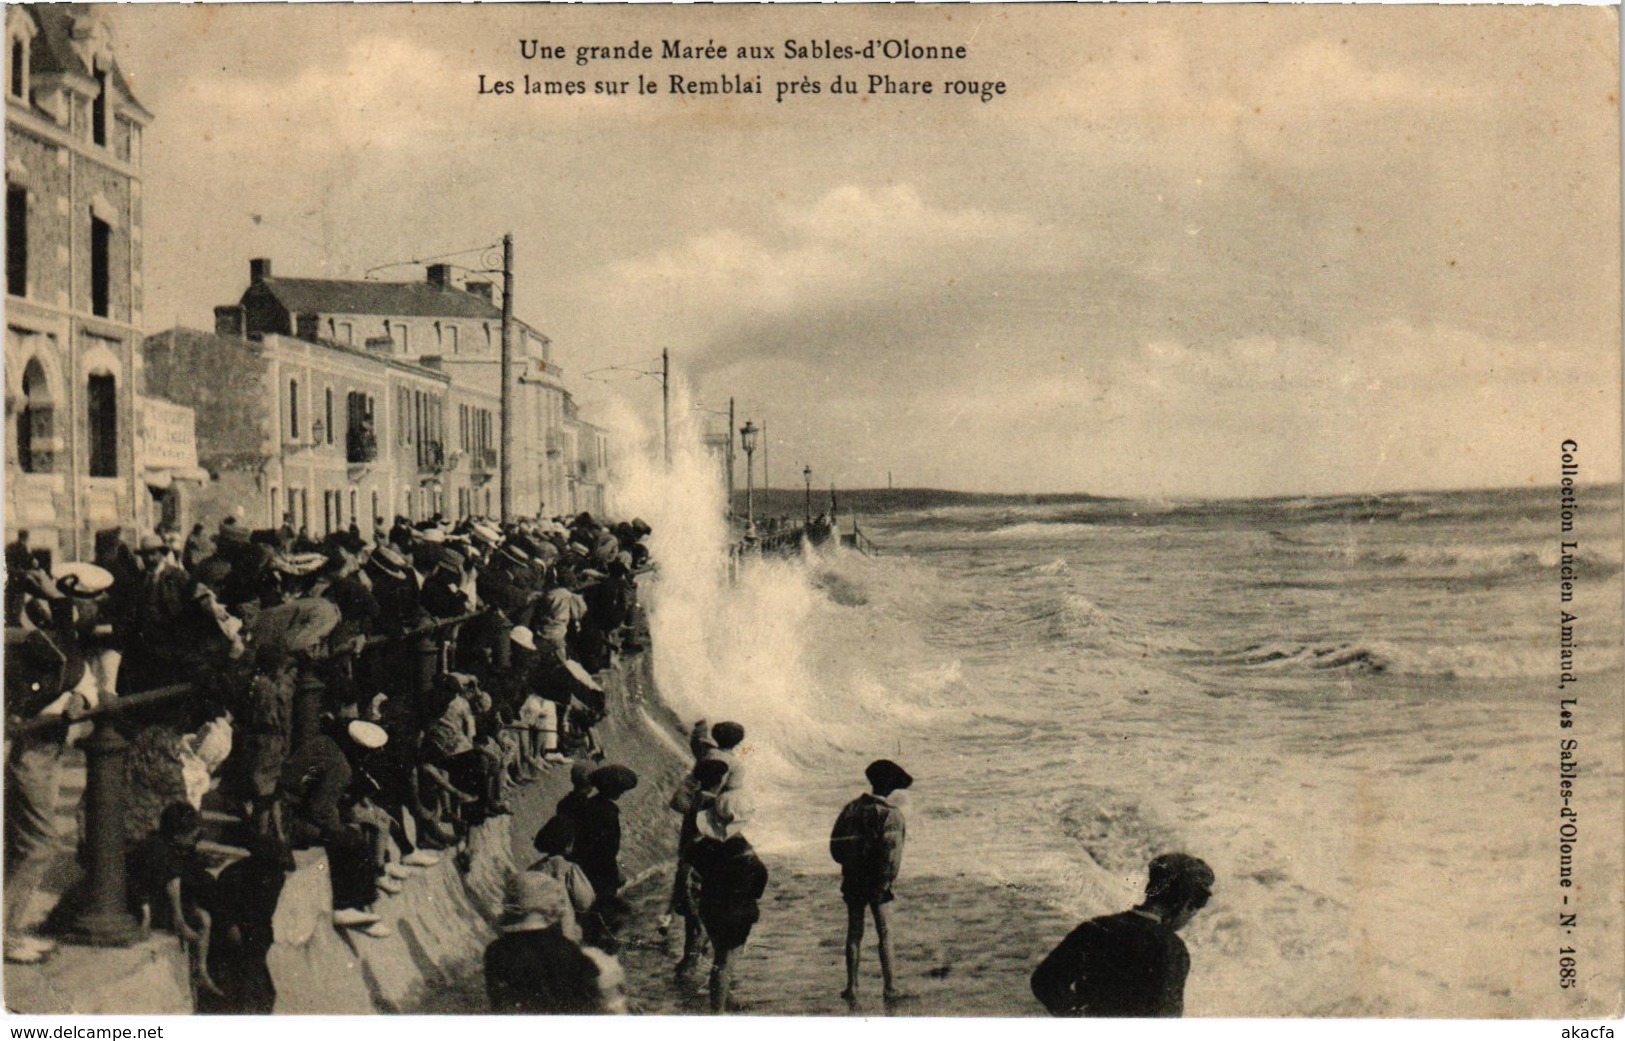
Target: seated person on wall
<point>470,777</point>
<point>169,886</point>
<point>316,780</point>
<point>242,904</point>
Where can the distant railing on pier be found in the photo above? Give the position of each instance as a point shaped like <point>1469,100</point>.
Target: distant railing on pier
<point>859,541</point>
<point>103,919</point>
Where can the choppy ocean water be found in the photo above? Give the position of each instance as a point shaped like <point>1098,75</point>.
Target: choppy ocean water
<point>1346,705</point>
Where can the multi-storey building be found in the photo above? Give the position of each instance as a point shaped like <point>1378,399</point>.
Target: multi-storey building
<point>587,447</point>
<point>452,330</point>
<point>321,435</point>
<point>73,280</point>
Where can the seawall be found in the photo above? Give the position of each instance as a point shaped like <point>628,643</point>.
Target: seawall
<point>442,919</point>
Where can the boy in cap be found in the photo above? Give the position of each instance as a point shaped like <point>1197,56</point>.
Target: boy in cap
<point>1133,963</point>
<point>867,842</point>
<point>727,736</point>
<point>707,780</point>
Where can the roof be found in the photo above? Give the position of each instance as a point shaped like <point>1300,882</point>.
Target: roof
<point>53,47</point>
<point>407,299</point>
<point>168,338</point>
<point>53,50</point>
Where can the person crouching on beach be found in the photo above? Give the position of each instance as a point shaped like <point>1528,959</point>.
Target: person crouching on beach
<point>868,844</point>
<point>732,879</point>
<point>1132,963</point>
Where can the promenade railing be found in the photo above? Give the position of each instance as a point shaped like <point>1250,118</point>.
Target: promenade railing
<point>103,918</point>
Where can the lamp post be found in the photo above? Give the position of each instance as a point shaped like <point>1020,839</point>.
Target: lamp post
<point>747,441</point>
<point>806,472</point>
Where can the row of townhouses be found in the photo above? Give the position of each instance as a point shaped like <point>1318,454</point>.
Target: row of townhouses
<point>333,401</point>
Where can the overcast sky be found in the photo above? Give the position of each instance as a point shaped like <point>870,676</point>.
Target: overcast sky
<point>1191,251</point>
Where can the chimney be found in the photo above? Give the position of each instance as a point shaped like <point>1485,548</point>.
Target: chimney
<point>479,289</point>
<point>440,276</point>
<point>259,269</point>
<point>230,320</point>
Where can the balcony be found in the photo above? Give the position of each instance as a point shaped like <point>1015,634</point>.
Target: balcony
<point>431,457</point>
<point>360,445</point>
<point>482,460</point>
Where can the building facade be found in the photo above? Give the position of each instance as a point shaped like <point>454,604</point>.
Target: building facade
<point>452,330</point>
<point>587,448</point>
<point>73,282</point>
<point>319,435</point>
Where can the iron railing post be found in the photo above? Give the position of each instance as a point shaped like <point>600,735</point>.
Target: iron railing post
<point>105,921</point>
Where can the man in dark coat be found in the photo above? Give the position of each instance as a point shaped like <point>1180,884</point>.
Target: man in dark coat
<point>732,879</point>
<point>1131,964</point>
<point>536,966</point>
<point>242,903</point>
<point>598,829</point>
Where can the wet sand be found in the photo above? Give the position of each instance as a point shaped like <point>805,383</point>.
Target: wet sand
<point>963,948</point>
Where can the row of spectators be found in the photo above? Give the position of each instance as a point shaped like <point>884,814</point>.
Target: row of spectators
<point>374,699</point>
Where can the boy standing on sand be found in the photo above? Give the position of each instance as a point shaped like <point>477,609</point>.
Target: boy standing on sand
<point>868,844</point>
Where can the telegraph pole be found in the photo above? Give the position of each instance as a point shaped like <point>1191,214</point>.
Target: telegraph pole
<point>665,404</point>
<point>730,466</point>
<point>506,466</point>
<point>767,475</point>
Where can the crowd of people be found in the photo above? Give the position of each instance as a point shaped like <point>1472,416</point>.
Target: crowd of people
<point>376,699</point>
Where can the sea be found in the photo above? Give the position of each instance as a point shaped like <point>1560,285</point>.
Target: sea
<point>1350,706</point>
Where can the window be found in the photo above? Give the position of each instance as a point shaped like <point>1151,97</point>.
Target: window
<point>451,338</point>
<point>98,109</point>
<point>16,240</point>
<point>355,517</point>
<point>293,413</point>
<point>375,515</point>
<point>345,334</point>
<point>101,266</point>
<point>328,434</point>
<point>35,421</point>
<point>398,332</point>
<point>19,68</point>
<point>102,398</point>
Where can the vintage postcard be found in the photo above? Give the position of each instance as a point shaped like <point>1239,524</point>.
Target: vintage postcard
<point>935,511</point>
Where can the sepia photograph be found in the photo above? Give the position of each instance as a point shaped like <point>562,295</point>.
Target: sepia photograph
<point>994,510</point>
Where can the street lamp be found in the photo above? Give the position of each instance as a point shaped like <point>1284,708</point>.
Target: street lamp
<point>806,472</point>
<point>747,441</point>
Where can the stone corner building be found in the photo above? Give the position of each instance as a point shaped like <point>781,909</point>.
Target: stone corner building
<point>73,280</point>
